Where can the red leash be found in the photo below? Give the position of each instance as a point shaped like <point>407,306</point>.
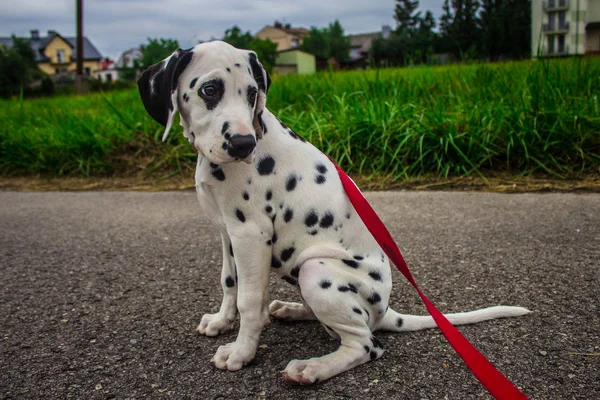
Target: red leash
<point>493,380</point>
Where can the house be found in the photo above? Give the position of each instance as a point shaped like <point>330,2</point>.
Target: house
<point>360,46</point>
<point>56,54</point>
<point>286,37</point>
<point>107,72</point>
<point>128,57</point>
<point>294,61</point>
<point>290,59</point>
<point>565,27</point>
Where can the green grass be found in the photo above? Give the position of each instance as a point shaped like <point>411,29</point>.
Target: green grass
<point>521,117</point>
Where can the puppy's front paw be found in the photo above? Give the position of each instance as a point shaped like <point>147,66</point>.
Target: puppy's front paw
<point>214,324</point>
<point>233,356</point>
<point>303,372</point>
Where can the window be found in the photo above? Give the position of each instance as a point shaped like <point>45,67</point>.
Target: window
<point>550,44</point>
<point>561,43</point>
<point>60,56</point>
<point>108,78</point>
<point>561,20</point>
<point>295,42</point>
<point>87,71</point>
<point>551,21</point>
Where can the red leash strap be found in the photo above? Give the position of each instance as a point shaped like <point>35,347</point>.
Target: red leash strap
<point>488,375</point>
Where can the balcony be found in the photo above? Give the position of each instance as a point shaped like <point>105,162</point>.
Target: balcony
<point>556,52</point>
<point>555,5</point>
<point>556,29</point>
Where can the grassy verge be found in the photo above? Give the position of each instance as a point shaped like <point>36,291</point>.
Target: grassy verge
<point>467,120</point>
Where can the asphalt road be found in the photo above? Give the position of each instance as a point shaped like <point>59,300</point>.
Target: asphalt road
<point>101,294</point>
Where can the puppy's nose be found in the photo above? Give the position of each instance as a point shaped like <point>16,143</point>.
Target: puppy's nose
<point>241,145</point>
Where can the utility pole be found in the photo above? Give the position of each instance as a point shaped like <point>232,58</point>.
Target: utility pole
<point>81,82</point>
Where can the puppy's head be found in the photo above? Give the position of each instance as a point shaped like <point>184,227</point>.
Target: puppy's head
<point>220,93</point>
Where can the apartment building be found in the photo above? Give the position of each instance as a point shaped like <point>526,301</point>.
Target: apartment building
<point>565,27</point>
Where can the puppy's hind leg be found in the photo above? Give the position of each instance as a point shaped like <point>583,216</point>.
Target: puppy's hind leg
<point>221,322</point>
<point>335,300</point>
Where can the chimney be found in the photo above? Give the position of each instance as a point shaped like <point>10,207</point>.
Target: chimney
<point>35,34</point>
<point>52,32</point>
<point>278,25</point>
<point>385,31</point>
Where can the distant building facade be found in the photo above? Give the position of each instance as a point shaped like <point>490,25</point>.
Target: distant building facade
<point>360,46</point>
<point>565,27</point>
<point>56,54</point>
<point>290,59</point>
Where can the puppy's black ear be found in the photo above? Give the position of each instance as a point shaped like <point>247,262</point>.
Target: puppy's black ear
<point>263,81</point>
<point>158,87</point>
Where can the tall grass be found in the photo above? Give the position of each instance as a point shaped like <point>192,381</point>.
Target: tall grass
<point>524,117</point>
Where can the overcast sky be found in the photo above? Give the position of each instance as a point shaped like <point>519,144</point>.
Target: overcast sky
<point>117,25</point>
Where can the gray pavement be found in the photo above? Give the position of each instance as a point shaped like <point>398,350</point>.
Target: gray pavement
<point>101,294</point>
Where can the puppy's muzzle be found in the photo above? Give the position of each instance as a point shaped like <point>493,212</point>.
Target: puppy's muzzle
<point>240,146</point>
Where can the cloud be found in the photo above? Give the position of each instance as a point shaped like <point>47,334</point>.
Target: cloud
<point>116,25</point>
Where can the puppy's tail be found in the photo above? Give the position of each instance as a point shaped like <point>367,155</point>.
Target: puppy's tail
<point>394,322</point>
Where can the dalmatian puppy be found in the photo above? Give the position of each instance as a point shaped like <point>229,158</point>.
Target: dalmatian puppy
<point>280,207</point>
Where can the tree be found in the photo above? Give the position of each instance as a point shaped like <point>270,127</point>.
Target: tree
<point>17,67</point>
<point>157,50</point>
<point>265,49</point>
<point>330,42</point>
<point>407,17</point>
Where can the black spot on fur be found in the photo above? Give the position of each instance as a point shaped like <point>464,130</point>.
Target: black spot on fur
<point>230,250</point>
<point>240,92</point>
<point>375,275</point>
<point>289,280</point>
<point>295,271</point>
<point>357,310</point>
<point>373,355</point>
<point>375,298</point>
<point>228,69</point>
<point>289,214</point>
<point>186,98</point>
<point>325,284</point>
<point>291,182</point>
<point>237,65</point>
<point>229,282</point>
<point>275,263</point>
<point>399,323</point>
<point>249,181</point>
<point>257,73</point>
<point>274,238</point>
<point>218,174</point>
<point>268,209</point>
<point>269,242</point>
<point>240,215</point>
<point>311,218</point>
<point>327,220</point>
<point>348,215</point>
<point>193,83</point>
<point>225,127</point>
<point>269,195</point>
<point>266,165</point>
<point>321,168</point>
<point>358,258</point>
<point>348,288</point>
<point>213,165</point>
<point>251,95</point>
<point>320,179</point>
<point>367,349</point>
<point>286,254</point>
<point>350,263</point>
<point>246,196</point>
<point>376,343</point>
<point>313,232</point>
<point>225,146</point>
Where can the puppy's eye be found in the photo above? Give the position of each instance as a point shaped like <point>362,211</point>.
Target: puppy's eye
<point>251,95</point>
<point>209,90</point>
